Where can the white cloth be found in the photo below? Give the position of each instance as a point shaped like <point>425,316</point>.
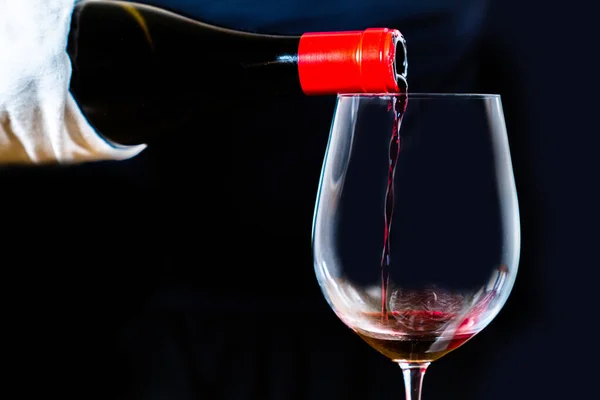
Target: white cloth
<point>40,121</point>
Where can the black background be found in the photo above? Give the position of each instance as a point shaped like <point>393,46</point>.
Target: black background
<point>166,276</point>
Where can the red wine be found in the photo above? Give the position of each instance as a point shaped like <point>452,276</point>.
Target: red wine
<point>398,106</point>
<point>425,324</point>
<point>416,335</point>
<point>139,71</point>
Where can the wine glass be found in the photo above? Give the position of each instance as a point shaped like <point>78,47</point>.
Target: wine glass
<point>438,166</point>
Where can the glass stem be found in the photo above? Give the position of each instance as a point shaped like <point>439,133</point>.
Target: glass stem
<point>413,373</point>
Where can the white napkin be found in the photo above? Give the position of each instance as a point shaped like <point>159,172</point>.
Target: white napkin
<point>40,122</point>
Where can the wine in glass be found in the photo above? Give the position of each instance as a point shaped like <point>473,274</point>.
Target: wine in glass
<point>416,233</point>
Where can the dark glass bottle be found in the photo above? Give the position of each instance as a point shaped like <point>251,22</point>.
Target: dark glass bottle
<point>139,71</point>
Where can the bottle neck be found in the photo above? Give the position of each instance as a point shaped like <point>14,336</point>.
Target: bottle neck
<point>114,43</point>
<point>139,71</point>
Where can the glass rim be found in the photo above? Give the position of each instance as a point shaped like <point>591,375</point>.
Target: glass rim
<point>422,95</point>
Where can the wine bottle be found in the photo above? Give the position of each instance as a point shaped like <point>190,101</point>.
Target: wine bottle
<point>139,70</point>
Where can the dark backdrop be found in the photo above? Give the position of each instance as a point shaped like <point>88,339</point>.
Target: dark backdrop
<point>158,277</point>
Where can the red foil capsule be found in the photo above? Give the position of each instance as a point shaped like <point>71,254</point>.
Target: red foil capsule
<point>349,62</point>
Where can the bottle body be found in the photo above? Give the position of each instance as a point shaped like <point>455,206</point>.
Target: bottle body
<point>138,70</point>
